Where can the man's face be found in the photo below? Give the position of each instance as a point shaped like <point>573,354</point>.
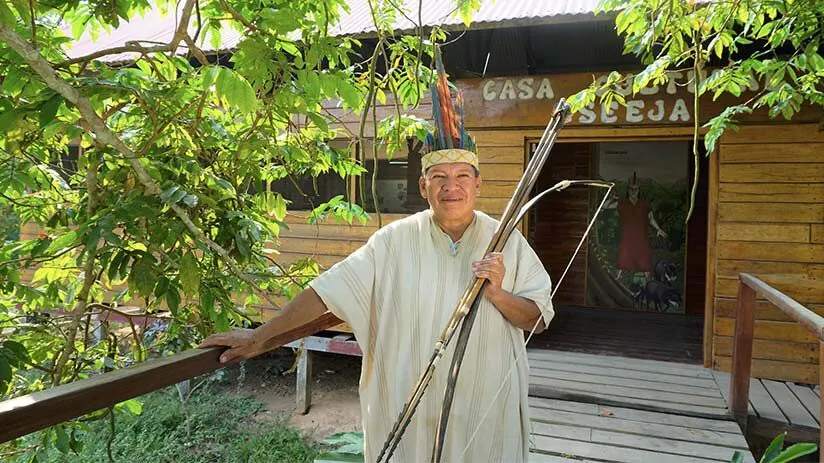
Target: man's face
<point>451,189</point>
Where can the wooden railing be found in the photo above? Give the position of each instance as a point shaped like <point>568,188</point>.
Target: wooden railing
<point>749,287</point>
<point>33,412</point>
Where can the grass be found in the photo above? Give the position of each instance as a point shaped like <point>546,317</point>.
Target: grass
<point>213,426</point>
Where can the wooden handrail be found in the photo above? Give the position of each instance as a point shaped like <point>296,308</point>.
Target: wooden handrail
<point>811,320</point>
<point>749,287</point>
<point>30,413</point>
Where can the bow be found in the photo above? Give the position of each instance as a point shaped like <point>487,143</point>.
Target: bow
<point>467,307</point>
<point>463,337</point>
<point>450,387</point>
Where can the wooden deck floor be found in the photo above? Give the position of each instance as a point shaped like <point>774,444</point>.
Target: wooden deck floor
<point>777,406</point>
<point>597,408</point>
<point>643,335</point>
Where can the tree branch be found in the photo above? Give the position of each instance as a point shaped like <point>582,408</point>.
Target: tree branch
<point>237,16</point>
<point>106,136</point>
<point>180,34</point>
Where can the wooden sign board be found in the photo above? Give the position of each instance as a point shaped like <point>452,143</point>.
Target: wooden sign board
<point>521,101</point>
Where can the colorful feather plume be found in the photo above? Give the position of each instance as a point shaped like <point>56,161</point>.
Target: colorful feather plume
<point>448,116</point>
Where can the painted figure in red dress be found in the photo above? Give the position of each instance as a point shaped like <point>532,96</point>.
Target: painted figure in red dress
<point>635,215</point>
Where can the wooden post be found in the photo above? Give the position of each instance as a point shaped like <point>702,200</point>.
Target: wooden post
<point>101,328</point>
<point>304,378</point>
<point>742,354</point>
<point>821,410</point>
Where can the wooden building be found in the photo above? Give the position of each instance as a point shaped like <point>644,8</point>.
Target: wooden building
<point>759,205</point>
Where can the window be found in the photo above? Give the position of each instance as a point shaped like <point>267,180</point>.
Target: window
<point>305,193</point>
<point>397,182</point>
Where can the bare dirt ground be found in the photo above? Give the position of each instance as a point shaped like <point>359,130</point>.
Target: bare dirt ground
<point>335,405</point>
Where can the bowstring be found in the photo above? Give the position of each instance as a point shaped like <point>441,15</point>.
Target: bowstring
<point>535,326</point>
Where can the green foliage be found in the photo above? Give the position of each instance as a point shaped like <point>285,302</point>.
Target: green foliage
<point>212,426</point>
<point>774,46</point>
<point>343,446</point>
<point>775,453</point>
<point>763,53</point>
<point>181,215</point>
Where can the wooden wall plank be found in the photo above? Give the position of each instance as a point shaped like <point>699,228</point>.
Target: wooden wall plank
<point>817,233</point>
<point>772,172</point>
<point>731,268</point>
<point>504,172</point>
<point>485,139</point>
<point>307,231</point>
<point>325,246</point>
<point>772,350</point>
<point>500,155</point>
<point>775,133</point>
<point>769,153</point>
<point>325,261</point>
<point>778,252</point>
<point>764,310</point>
<point>768,212</point>
<point>774,193</point>
<point>769,330</point>
<point>774,369</point>
<point>803,290</point>
<point>792,233</point>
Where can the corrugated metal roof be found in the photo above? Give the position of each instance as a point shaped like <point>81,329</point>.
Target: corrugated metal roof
<point>153,28</point>
<point>491,13</point>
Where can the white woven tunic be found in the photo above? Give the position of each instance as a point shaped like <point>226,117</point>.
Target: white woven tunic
<point>398,292</point>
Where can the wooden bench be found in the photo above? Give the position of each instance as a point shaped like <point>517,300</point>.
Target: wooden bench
<point>336,343</point>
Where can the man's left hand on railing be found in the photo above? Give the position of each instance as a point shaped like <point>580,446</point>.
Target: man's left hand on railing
<point>304,310</point>
<point>242,344</point>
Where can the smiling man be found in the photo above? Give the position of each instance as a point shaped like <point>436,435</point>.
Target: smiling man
<point>398,292</point>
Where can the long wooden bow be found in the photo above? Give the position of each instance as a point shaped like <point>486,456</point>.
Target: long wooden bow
<point>463,337</point>
<point>468,304</point>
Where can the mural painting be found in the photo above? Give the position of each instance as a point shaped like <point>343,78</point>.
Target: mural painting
<point>637,253</point>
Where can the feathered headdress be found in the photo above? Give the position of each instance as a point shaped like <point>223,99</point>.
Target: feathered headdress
<point>633,181</point>
<point>450,142</point>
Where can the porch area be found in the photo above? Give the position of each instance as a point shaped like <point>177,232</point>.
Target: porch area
<point>600,408</point>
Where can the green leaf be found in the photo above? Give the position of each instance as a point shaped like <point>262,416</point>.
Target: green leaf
<point>189,274</point>
<point>190,200</point>
<point>346,442</point>
<point>236,91</point>
<point>114,266</point>
<point>23,9</point>
<point>134,406</point>
<point>349,93</point>
<point>62,241</point>
<point>774,448</point>
<point>737,457</point>
<point>6,15</point>
<point>328,83</point>
<point>207,302</point>
<point>173,299</point>
<point>16,353</point>
<point>49,109</point>
<point>167,194</point>
<point>124,266</point>
<point>794,452</point>
<point>61,440</point>
<point>5,371</point>
<point>319,121</point>
<point>8,119</point>
<point>142,277</point>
